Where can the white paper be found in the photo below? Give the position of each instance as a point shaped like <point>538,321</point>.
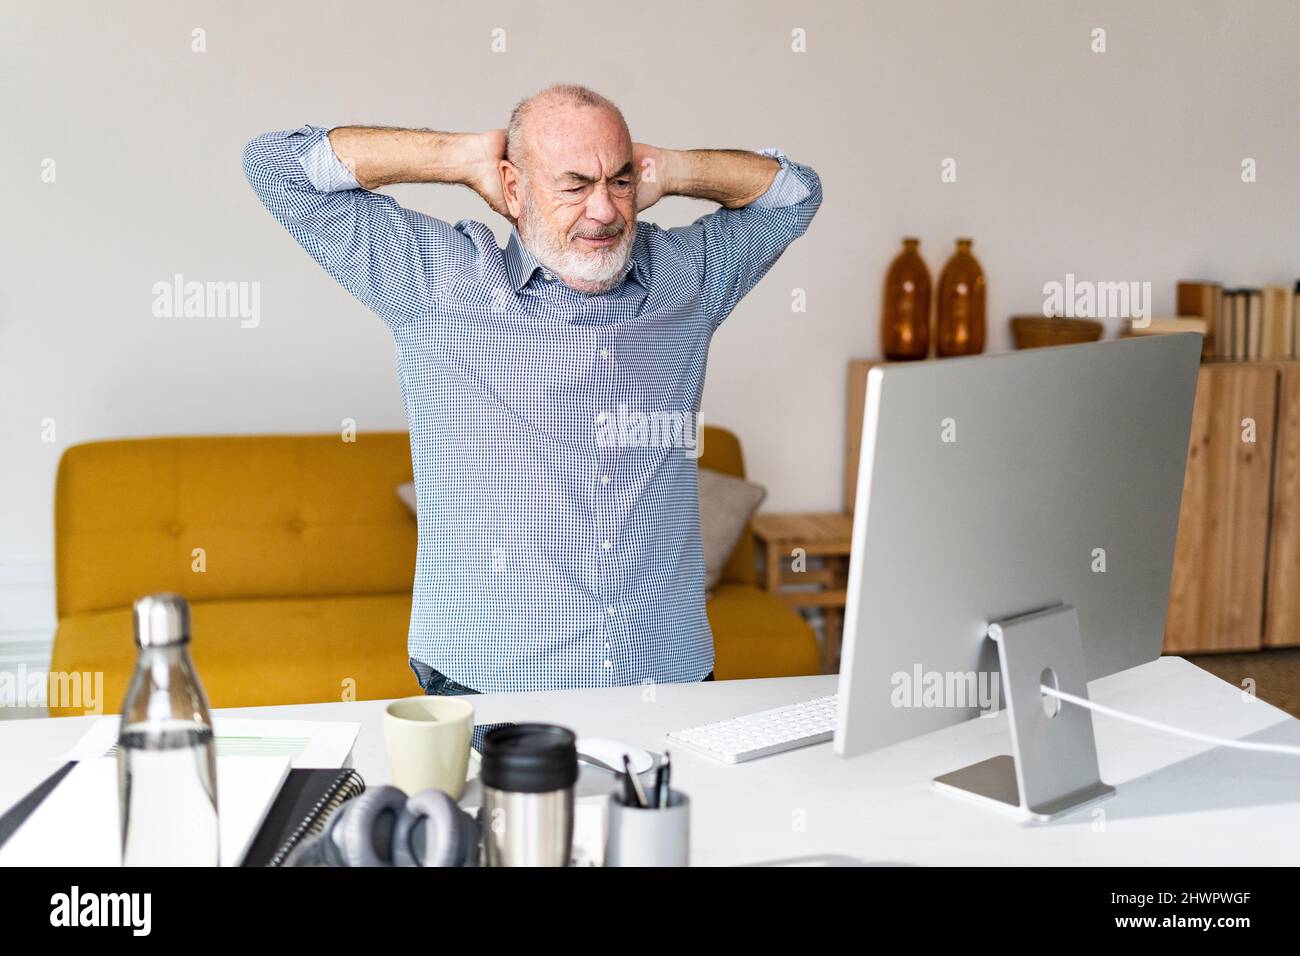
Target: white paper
<point>78,823</point>
<point>305,743</point>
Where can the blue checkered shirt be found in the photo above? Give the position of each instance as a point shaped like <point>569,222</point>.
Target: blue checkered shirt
<point>553,433</point>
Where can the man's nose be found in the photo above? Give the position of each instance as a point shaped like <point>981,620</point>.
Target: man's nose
<point>599,206</point>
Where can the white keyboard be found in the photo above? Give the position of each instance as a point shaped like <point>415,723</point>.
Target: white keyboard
<point>766,732</point>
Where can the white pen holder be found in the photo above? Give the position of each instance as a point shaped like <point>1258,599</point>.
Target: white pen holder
<point>639,836</point>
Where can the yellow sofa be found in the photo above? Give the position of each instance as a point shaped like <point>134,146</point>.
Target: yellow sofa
<point>297,558</point>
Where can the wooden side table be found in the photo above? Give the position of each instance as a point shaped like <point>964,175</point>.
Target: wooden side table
<point>786,541</point>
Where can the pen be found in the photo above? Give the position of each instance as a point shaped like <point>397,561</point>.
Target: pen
<point>625,781</point>
<point>637,790</point>
<point>657,795</point>
<point>665,775</point>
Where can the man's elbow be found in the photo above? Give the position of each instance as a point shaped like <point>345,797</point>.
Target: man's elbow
<point>806,208</point>
<point>268,160</point>
<point>257,159</point>
<point>814,184</point>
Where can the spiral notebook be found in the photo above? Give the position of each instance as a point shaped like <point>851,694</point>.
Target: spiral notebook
<point>304,803</point>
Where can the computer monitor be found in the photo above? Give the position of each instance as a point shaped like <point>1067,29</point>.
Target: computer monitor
<point>1030,497</point>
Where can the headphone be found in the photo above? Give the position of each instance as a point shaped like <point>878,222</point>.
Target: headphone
<point>385,827</point>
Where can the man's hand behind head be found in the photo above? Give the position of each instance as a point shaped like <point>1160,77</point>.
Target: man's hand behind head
<point>485,170</point>
<point>650,166</point>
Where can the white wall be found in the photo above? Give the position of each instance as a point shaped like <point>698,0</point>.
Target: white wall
<point>1115,166</point>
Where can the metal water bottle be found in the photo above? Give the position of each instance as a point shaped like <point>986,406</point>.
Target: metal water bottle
<point>166,754</point>
<point>528,773</point>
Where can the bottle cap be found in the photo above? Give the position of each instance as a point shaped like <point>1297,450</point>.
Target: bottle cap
<point>161,620</point>
<point>530,758</point>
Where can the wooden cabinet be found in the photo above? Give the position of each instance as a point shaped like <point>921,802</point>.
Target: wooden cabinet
<point>1282,609</point>
<point>1216,597</point>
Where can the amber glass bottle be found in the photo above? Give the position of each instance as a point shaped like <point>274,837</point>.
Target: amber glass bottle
<point>905,321</point>
<point>959,329</point>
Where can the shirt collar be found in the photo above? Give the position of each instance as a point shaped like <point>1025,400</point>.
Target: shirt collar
<point>521,264</point>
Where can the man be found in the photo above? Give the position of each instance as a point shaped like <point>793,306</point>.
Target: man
<point>549,556</point>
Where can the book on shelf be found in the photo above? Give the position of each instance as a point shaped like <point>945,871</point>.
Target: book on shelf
<point>1167,325</point>
<point>1240,303</point>
<point>1240,324</point>
<point>1278,323</point>
<point>1203,299</point>
<point>1223,341</point>
<point>1254,323</point>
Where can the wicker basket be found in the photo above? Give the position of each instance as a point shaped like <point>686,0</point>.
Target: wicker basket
<point>1036,331</point>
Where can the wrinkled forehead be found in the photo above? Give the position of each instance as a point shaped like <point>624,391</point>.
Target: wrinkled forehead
<point>591,141</point>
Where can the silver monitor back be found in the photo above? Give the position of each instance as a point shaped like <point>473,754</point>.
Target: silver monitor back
<point>992,486</point>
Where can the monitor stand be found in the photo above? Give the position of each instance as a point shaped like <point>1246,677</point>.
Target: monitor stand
<point>1054,768</point>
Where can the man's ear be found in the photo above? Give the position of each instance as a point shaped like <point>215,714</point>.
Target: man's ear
<point>510,182</point>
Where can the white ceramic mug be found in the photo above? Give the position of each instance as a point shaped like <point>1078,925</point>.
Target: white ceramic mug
<point>428,742</point>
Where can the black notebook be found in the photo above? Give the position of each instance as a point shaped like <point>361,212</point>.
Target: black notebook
<point>300,810</point>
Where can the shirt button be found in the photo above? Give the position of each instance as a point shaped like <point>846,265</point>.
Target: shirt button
<point>604,479</point>
<point>610,610</point>
<point>605,545</point>
<point>608,664</point>
<point>604,353</point>
<point>600,419</point>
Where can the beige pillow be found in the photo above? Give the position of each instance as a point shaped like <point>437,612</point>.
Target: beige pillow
<point>407,493</point>
<point>726,504</point>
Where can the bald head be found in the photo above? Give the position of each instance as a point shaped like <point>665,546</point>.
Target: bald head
<point>558,110</point>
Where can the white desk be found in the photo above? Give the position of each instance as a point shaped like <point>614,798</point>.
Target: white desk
<point>1179,802</point>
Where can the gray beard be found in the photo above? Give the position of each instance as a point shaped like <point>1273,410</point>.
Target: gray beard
<point>603,269</point>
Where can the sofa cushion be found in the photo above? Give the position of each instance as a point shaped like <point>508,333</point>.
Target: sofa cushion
<point>721,452</point>
<point>758,635</point>
<point>232,517</point>
<point>260,652</point>
<point>726,504</point>
<point>406,494</point>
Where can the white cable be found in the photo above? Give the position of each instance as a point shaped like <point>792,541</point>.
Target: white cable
<point>1167,728</point>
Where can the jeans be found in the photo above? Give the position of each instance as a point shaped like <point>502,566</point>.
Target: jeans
<point>438,684</point>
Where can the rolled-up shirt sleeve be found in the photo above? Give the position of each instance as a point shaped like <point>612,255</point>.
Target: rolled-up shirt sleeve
<point>394,260</point>
<point>736,247</point>
<point>321,164</point>
<point>791,186</point>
